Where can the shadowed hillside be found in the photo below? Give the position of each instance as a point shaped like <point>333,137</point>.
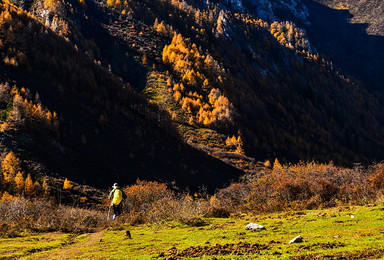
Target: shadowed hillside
<point>370,12</point>
<point>348,44</point>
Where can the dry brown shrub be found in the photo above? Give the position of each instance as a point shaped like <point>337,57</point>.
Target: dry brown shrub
<point>230,199</point>
<point>376,179</point>
<point>182,208</point>
<point>216,209</point>
<point>143,194</point>
<point>41,215</point>
<point>149,201</point>
<point>302,186</point>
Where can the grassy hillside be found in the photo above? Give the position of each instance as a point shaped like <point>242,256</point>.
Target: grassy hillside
<point>336,233</point>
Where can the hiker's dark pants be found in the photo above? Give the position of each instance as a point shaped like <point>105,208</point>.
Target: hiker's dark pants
<point>116,209</point>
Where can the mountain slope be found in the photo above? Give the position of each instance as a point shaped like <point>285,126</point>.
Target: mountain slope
<point>286,106</point>
<point>351,37</point>
<point>191,91</point>
<point>368,12</point>
<point>106,132</point>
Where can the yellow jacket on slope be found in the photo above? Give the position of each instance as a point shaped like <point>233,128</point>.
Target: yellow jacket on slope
<point>116,195</point>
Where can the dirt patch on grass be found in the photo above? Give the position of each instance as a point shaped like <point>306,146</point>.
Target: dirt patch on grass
<point>366,254</point>
<point>329,245</point>
<point>240,248</point>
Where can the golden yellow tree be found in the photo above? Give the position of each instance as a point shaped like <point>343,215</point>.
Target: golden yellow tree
<point>110,3</point>
<point>267,164</point>
<point>67,184</point>
<point>19,182</point>
<point>10,166</point>
<point>277,168</point>
<point>29,186</point>
<point>144,59</point>
<point>239,145</point>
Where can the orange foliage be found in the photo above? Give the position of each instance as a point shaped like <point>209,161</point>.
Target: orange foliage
<point>29,186</point>
<point>235,143</point>
<point>13,178</point>
<point>302,186</point>
<point>7,197</point>
<point>67,184</point>
<point>19,182</point>
<point>187,60</point>
<point>144,193</point>
<point>10,166</point>
<point>24,109</point>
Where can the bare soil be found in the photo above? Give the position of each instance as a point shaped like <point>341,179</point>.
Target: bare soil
<point>240,248</point>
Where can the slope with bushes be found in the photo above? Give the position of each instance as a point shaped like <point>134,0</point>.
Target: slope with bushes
<point>78,120</point>
<point>208,82</point>
<point>283,103</point>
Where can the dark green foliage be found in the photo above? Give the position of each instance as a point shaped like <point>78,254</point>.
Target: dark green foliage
<point>5,112</point>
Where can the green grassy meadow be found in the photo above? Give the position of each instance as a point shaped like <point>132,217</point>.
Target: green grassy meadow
<point>336,233</point>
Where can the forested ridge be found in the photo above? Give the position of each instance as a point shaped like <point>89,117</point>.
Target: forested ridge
<point>196,92</point>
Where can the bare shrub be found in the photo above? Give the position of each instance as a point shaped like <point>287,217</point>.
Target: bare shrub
<point>41,215</point>
<point>301,186</point>
<point>150,201</point>
<point>143,194</point>
<point>376,178</point>
<point>230,199</point>
<point>217,209</point>
<point>183,208</point>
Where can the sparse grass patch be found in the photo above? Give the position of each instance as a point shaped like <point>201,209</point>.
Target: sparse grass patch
<point>344,232</point>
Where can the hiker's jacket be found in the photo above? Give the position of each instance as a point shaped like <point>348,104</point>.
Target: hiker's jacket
<point>116,195</point>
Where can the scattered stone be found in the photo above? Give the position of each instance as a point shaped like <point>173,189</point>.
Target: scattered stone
<point>352,216</point>
<point>254,226</point>
<point>297,239</point>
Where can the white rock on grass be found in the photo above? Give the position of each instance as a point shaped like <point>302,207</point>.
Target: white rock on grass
<point>254,226</point>
<point>297,239</point>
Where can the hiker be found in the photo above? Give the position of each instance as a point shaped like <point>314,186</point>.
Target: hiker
<point>116,195</point>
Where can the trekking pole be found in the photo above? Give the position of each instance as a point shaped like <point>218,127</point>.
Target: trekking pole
<point>109,211</point>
